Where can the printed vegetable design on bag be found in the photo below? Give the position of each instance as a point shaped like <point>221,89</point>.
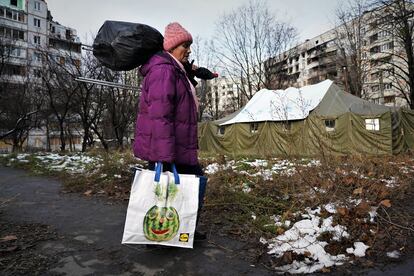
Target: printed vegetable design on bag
<point>162,221</point>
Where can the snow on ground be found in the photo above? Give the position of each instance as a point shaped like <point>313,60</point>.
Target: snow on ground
<point>358,249</point>
<point>261,167</point>
<point>77,163</point>
<point>394,254</point>
<point>303,238</point>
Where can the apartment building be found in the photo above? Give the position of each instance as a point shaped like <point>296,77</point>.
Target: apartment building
<point>223,96</point>
<point>319,58</point>
<point>27,29</point>
<point>30,37</point>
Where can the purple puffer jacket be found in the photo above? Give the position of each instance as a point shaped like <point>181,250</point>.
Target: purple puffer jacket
<point>166,127</point>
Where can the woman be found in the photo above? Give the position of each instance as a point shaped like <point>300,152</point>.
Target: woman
<point>166,128</point>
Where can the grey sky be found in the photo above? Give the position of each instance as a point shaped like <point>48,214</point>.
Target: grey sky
<point>310,17</point>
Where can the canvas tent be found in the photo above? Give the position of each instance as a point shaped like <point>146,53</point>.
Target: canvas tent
<point>309,121</point>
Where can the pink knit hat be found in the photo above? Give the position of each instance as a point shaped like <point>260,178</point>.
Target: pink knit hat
<point>174,35</point>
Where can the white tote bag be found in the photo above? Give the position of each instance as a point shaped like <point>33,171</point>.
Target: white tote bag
<point>162,208</point>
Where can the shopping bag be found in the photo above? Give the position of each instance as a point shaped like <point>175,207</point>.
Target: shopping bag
<point>162,208</point>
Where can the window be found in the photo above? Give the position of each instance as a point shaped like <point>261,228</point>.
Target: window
<point>386,47</point>
<point>387,86</point>
<point>14,70</point>
<point>375,88</point>
<point>373,38</point>
<point>36,22</point>
<point>389,99</point>
<point>254,127</point>
<point>37,56</point>
<point>21,35</point>
<point>36,39</point>
<point>221,130</point>
<point>21,17</point>
<point>37,73</point>
<point>15,52</point>
<point>62,60</point>
<point>372,124</point>
<point>13,2</point>
<point>37,6</point>
<point>330,125</point>
<point>1,12</point>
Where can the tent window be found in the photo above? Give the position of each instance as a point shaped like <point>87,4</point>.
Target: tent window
<point>372,124</point>
<point>254,127</point>
<point>220,130</point>
<point>329,125</point>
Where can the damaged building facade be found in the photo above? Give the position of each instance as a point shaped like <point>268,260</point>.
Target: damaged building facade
<point>29,36</point>
<point>322,57</point>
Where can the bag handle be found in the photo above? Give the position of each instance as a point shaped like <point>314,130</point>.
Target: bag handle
<point>158,171</point>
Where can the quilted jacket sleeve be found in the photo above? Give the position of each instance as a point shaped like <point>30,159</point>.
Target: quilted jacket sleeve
<point>161,111</point>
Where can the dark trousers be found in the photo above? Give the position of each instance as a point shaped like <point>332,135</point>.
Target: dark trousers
<point>181,169</point>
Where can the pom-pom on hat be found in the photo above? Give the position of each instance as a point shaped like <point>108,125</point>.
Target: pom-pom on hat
<point>174,35</point>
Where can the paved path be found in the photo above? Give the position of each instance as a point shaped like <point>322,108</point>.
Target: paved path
<point>93,229</point>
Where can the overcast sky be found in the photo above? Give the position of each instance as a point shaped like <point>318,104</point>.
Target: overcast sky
<point>310,17</point>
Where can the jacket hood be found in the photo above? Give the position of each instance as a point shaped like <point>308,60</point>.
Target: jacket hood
<point>160,58</point>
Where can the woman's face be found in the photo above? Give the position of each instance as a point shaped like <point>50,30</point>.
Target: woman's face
<point>182,52</point>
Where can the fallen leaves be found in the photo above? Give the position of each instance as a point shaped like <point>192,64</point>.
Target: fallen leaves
<point>386,203</point>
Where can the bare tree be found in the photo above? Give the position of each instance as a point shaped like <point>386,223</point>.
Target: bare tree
<point>117,120</point>
<point>60,89</point>
<point>203,53</point>
<point>89,101</point>
<point>19,98</point>
<point>395,17</point>
<point>245,39</point>
<point>350,34</point>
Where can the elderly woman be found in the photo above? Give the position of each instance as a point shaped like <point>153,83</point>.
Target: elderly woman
<point>166,128</point>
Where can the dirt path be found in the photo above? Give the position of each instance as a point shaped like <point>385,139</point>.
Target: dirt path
<point>88,234</point>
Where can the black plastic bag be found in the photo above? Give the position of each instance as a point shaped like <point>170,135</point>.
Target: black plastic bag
<point>123,46</point>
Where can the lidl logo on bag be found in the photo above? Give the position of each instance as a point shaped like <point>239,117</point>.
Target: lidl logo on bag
<point>184,237</point>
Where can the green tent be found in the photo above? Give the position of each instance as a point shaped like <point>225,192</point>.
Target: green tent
<point>313,120</point>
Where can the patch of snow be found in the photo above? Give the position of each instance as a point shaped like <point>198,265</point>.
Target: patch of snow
<point>358,250</point>
<point>257,163</point>
<point>215,167</point>
<point>330,208</point>
<point>355,201</point>
<point>394,254</point>
<point>23,161</point>
<point>391,183</point>
<point>303,237</point>
<point>117,176</point>
<point>373,214</point>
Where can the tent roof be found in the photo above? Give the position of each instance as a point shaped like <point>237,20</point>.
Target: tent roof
<point>324,99</point>
<point>281,105</point>
<point>337,102</point>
